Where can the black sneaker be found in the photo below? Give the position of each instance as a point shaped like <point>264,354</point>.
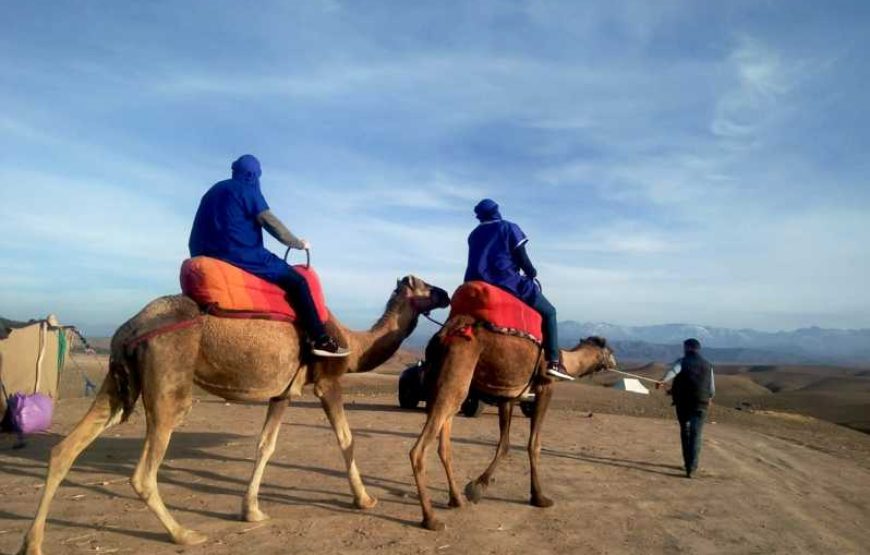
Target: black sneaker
<point>326,346</point>
<point>556,370</point>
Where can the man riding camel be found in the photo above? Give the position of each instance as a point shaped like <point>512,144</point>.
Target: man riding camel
<point>229,226</point>
<point>497,255</point>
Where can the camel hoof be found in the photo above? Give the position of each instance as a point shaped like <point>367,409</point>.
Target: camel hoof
<point>367,502</point>
<point>28,549</point>
<point>541,501</point>
<point>433,524</point>
<point>474,491</point>
<point>254,515</point>
<point>189,537</point>
<point>456,502</point>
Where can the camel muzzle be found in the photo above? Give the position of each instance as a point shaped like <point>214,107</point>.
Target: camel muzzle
<point>440,298</point>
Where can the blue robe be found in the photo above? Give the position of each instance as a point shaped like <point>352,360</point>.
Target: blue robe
<point>491,258</point>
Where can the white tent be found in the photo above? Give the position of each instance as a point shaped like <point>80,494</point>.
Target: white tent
<point>631,384</point>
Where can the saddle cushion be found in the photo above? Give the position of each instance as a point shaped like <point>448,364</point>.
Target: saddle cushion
<point>217,284</point>
<point>486,302</point>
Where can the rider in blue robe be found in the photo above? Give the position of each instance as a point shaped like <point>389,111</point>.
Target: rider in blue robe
<point>497,255</point>
<point>229,226</point>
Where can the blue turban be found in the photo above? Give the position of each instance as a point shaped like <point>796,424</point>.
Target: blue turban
<point>247,169</point>
<point>487,210</point>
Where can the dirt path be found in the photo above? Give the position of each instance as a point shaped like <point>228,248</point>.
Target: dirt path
<point>616,480</point>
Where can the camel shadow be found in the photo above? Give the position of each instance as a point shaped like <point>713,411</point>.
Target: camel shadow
<point>642,466</point>
<point>118,456</point>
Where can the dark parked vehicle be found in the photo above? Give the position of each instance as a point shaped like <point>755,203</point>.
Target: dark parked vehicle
<point>411,393</point>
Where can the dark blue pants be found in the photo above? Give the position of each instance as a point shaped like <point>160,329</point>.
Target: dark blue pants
<point>299,295</point>
<point>691,418</point>
<point>551,333</point>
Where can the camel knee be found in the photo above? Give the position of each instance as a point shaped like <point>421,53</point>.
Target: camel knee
<point>143,487</point>
<point>266,448</point>
<point>416,456</point>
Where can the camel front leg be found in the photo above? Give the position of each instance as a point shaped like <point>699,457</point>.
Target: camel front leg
<point>542,401</point>
<point>265,448</point>
<point>329,393</point>
<point>475,489</point>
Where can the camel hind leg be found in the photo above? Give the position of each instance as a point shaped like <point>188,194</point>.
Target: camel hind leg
<point>446,456</point>
<point>105,411</point>
<point>167,397</point>
<point>265,448</point>
<point>474,490</point>
<point>451,388</point>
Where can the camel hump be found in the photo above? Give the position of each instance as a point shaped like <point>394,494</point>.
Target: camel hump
<point>214,283</point>
<point>160,312</point>
<point>500,309</point>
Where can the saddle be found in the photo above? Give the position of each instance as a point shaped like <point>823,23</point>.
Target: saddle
<point>499,310</point>
<point>221,289</point>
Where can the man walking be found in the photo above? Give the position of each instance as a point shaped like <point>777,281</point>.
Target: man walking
<point>692,392</point>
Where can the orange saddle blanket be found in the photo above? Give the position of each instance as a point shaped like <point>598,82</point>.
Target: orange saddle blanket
<point>489,303</point>
<point>215,283</point>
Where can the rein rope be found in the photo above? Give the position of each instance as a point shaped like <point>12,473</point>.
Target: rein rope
<point>431,319</point>
<point>636,376</point>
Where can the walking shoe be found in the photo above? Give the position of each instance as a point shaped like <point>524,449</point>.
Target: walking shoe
<point>555,369</point>
<point>326,346</point>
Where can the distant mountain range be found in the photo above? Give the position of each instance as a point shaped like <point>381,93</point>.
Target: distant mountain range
<point>663,342</point>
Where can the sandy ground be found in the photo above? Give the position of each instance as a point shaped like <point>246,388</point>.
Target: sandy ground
<point>769,483</point>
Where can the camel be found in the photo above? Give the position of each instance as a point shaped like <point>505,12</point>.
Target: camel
<point>238,360</point>
<point>465,355</point>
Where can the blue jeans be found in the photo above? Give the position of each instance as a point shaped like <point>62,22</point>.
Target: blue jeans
<point>299,295</point>
<point>691,418</point>
<point>551,333</point>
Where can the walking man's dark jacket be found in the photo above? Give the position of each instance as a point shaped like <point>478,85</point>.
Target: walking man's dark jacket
<point>693,384</point>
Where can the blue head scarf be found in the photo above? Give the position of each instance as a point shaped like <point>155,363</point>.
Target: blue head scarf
<point>487,210</point>
<point>247,169</point>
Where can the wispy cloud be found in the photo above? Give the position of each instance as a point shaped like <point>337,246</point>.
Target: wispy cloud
<point>626,138</point>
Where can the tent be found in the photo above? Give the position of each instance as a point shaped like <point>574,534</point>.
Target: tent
<point>32,355</point>
<point>631,384</point>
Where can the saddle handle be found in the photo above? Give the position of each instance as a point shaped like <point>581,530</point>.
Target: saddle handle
<point>307,257</point>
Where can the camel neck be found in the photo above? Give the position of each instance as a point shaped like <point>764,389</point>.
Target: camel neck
<point>373,347</point>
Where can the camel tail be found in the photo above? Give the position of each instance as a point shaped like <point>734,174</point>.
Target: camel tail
<point>127,386</point>
<point>125,378</point>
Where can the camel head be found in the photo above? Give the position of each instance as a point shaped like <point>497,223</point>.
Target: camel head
<point>595,354</point>
<point>420,296</point>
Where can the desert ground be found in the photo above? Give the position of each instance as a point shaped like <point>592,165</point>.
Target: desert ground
<point>774,478</point>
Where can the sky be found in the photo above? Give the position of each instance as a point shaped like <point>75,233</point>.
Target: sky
<point>672,161</point>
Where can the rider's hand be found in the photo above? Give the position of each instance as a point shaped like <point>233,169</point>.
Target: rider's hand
<point>306,245</point>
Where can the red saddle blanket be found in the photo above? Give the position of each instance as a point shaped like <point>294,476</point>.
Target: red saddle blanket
<point>489,303</point>
<point>215,283</point>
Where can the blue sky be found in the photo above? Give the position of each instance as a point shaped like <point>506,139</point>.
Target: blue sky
<point>700,162</point>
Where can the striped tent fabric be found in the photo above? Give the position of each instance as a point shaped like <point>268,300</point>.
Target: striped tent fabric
<point>215,283</point>
<point>495,306</point>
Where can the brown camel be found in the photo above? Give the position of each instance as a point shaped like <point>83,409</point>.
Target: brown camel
<point>237,359</point>
<point>465,355</point>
